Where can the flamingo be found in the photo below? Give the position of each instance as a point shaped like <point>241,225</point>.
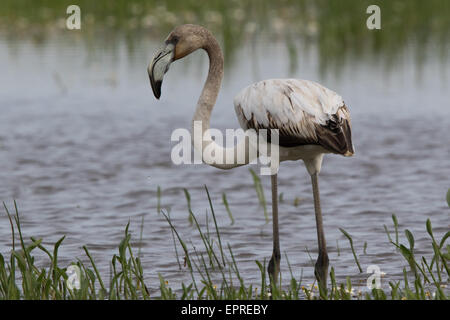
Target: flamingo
<point>311,121</point>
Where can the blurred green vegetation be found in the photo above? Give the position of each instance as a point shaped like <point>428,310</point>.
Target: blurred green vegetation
<point>338,28</point>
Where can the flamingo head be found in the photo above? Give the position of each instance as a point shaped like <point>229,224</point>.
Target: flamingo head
<point>182,41</point>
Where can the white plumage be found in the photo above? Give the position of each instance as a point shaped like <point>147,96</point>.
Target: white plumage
<point>272,96</point>
<point>303,111</point>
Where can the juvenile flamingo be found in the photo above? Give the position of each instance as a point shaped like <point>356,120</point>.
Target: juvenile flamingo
<point>311,120</point>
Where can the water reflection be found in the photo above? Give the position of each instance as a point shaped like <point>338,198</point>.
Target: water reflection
<point>337,29</point>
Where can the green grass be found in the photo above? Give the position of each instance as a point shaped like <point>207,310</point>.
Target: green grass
<point>214,272</point>
<point>260,193</point>
<point>350,239</point>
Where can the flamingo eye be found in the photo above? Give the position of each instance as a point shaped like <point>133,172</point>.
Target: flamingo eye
<point>173,40</point>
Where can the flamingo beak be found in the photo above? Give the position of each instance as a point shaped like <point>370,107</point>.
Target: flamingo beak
<point>159,66</point>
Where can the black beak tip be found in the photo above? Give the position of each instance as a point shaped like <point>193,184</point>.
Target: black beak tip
<point>156,87</point>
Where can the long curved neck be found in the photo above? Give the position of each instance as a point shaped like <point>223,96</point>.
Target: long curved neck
<point>201,136</point>
<point>211,87</point>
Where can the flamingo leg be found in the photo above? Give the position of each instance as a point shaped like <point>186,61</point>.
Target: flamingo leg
<point>273,268</point>
<point>321,267</point>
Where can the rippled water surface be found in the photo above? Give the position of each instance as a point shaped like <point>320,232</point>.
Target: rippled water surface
<point>84,147</point>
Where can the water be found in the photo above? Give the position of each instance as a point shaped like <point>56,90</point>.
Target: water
<point>84,146</point>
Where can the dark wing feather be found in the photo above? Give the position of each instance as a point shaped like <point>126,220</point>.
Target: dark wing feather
<point>336,135</point>
<point>304,112</point>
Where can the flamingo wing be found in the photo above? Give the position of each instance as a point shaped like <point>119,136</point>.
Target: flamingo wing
<point>303,111</point>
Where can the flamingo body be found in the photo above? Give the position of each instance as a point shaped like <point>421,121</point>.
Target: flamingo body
<point>311,120</point>
<point>305,113</point>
